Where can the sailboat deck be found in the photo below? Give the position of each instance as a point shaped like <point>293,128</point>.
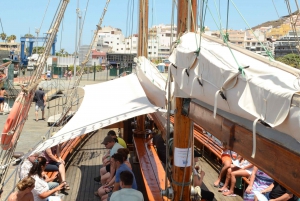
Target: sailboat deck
<point>85,165</point>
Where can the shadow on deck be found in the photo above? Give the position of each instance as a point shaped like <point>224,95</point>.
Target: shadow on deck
<point>85,165</point>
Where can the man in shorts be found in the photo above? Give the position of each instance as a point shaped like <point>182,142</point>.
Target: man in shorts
<point>40,103</point>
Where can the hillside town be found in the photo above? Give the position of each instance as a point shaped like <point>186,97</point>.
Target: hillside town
<point>278,38</point>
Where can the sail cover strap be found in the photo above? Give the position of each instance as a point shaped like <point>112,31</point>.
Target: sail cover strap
<point>254,138</point>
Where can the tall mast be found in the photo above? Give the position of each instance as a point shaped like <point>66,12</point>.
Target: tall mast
<point>143,28</point>
<point>142,46</point>
<point>182,124</point>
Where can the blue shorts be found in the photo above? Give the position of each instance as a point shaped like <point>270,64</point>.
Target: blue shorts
<point>267,195</point>
<point>52,166</point>
<point>1,99</point>
<point>48,76</point>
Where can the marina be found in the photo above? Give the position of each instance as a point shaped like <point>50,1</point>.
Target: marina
<point>210,120</point>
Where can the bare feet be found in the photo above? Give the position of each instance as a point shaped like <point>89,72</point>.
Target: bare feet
<point>223,189</point>
<point>227,193</point>
<point>216,183</point>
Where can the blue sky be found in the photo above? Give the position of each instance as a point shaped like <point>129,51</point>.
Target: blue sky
<point>20,16</point>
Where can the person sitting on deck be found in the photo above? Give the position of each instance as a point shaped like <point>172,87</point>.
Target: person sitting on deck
<point>25,186</point>
<point>119,140</point>
<point>159,142</point>
<point>226,162</point>
<point>109,178</point>
<point>56,163</point>
<point>106,157</point>
<point>41,190</point>
<point>127,192</point>
<point>118,160</point>
<point>27,165</point>
<point>276,192</point>
<point>198,178</point>
<point>113,147</point>
<point>259,181</point>
<point>244,169</point>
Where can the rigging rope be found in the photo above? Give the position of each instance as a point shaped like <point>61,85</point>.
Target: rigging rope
<point>267,51</point>
<point>240,68</point>
<point>44,15</point>
<point>293,23</point>
<point>227,35</point>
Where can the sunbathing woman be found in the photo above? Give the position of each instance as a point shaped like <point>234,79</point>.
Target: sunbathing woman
<point>244,169</point>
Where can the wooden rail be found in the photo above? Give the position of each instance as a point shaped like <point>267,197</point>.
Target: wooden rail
<point>151,168</point>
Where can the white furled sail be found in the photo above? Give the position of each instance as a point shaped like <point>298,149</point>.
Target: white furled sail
<point>152,81</point>
<point>237,81</point>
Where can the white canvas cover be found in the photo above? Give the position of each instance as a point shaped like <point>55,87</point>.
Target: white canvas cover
<point>104,104</point>
<point>152,81</point>
<point>264,92</point>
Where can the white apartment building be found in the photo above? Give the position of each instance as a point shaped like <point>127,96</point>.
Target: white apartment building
<point>160,38</point>
<point>110,40</point>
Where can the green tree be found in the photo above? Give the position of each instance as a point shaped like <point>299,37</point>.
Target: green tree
<point>9,38</point>
<point>40,50</point>
<point>62,53</point>
<point>290,59</point>
<point>13,37</point>
<point>3,36</point>
<point>28,35</point>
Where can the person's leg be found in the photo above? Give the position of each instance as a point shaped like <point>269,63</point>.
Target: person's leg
<point>101,191</point>
<point>52,185</point>
<point>43,111</point>
<point>229,170</point>
<point>104,197</point>
<point>104,178</point>
<point>103,171</point>
<point>62,173</point>
<point>36,112</point>
<point>240,172</point>
<point>207,195</point>
<point>226,161</point>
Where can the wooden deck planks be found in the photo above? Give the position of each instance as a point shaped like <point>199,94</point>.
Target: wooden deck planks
<point>210,176</point>
<point>84,167</point>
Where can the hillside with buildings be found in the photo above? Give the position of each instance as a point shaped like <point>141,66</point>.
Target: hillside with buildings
<point>273,37</point>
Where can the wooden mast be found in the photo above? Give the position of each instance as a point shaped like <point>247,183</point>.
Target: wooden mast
<point>142,46</point>
<point>182,124</point>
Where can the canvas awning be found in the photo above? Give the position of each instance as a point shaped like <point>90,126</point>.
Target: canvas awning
<point>104,104</point>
